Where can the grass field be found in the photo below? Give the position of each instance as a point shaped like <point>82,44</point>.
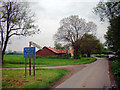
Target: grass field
<point>18,61</point>
<point>43,79</point>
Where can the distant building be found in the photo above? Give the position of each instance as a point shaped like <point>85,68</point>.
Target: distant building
<point>71,52</point>
<point>47,51</point>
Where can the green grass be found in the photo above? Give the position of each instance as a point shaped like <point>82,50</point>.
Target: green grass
<point>100,55</point>
<point>43,79</point>
<point>18,61</point>
<point>115,67</point>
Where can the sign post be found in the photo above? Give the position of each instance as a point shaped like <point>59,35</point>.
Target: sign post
<point>29,61</point>
<point>29,52</point>
<point>34,66</point>
<point>25,67</point>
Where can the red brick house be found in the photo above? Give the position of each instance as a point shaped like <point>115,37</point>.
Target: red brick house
<point>47,51</point>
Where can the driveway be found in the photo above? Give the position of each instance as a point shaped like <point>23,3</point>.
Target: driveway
<point>94,75</point>
<point>50,67</point>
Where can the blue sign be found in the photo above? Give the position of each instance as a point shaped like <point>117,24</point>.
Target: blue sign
<point>29,52</point>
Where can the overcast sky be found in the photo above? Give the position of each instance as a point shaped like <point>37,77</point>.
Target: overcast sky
<point>48,15</point>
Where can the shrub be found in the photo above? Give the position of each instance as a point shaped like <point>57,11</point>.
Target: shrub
<point>37,56</point>
<point>115,66</point>
<point>65,56</point>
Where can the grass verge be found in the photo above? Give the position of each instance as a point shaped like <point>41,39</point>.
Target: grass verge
<point>43,79</point>
<point>18,61</point>
<point>100,55</point>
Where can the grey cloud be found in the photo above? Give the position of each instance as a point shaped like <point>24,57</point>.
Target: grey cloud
<point>48,19</point>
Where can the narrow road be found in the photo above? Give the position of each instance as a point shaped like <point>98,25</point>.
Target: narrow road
<point>49,67</point>
<point>95,75</point>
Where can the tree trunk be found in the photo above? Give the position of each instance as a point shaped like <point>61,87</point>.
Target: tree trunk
<point>2,57</point>
<point>82,54</point>
<point>3,52</point>
<point>76,54</point>
<point>4,48</point>
<point>88,54</point>
<point>7,35</point>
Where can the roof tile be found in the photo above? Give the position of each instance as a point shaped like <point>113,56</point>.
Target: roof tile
<point>57,50</point>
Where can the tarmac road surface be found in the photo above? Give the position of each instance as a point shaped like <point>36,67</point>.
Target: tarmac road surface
<point>95,75</point>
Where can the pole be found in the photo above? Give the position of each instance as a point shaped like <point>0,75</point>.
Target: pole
<point>25,67</point>
<point>34,66</point>
<point>29,61</point>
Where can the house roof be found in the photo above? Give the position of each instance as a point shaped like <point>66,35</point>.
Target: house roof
<point>61,50</point>
<point>57,50</point>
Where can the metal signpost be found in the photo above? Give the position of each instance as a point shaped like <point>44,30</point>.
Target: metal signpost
<point>29,61</point>
<point>29,52</point>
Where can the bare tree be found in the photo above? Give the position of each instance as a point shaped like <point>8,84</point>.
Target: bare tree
<point>109,10</point>
<point>16,19</point>
<point>72,28</point>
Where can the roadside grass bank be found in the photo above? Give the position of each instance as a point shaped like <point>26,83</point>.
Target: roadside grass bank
<point>43,78</point>
<point>100,55</point>
<point>115,67</point>
<point>19,61</point>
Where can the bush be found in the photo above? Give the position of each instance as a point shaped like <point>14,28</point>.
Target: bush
<point>52,57</point>
<point>37,56</point>
<point>115,67</point>
<point>65,56</point>
<point>101,55</point>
